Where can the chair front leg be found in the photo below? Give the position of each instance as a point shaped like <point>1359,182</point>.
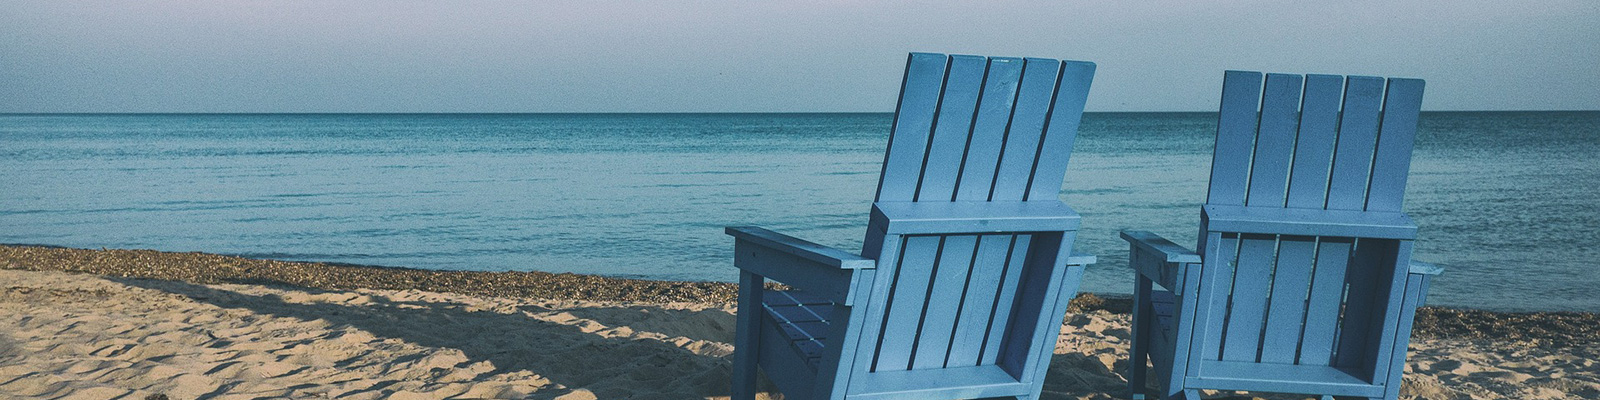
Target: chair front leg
<point>1140,352</point>
<point>747,342</point>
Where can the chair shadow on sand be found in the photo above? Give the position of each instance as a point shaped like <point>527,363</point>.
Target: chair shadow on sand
<point>510,340</point>
<point>572,354</point>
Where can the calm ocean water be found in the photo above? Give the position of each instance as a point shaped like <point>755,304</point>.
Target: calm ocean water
<point>1505,200</point>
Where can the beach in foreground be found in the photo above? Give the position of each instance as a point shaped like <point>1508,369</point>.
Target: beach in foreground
<point>123,324</point>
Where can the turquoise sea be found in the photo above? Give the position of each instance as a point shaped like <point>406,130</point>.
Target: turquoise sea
<point>1505,200</point>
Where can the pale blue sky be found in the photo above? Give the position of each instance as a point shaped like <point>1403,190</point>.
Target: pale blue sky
<point>736,56</point>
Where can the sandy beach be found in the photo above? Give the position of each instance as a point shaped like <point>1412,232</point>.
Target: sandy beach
<point>121,324</point>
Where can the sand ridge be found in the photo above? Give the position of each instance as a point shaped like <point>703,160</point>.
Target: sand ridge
<point>77,336</point>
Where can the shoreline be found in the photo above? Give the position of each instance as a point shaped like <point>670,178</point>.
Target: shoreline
<point>1543,328</point>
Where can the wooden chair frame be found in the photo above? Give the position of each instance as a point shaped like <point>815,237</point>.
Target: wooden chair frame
<point>1304,283</point>
<point>967,267</point>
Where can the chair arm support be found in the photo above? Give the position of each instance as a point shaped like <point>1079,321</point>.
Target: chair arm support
<point>972,217</point>
<point>1418,275</point>
<point>814,268</point>
<point>1423,268</point>
<point>1158,259</point>
<point>1082,259</point>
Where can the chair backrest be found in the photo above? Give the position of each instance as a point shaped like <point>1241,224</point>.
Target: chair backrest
<point>1318,142</point>
<point>970,129</point>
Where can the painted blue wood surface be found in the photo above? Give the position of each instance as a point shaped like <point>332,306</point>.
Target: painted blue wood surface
<point>1236,133</point>
<point>1287,311</point>
<point>1308,222</point>
<point>1280,121</point>
<point>744,363</point>
<point>1241,340</point>
<point>978,306</point>
<point>908,295</point>
<point>1022,144</point>
<point>1005,299</point>
<point>1327,293</point>
<point>929,218</point>
<point>1060,130</point>
<point>1392,161</point>
<point>1358,135</point>
<point>1313,146</point>
<point>939,319</point>
<point>1001,88</point>
<point>1305,284</point>
<point>914,116</point>
<point>952,128</point>
<point>1219,283</point>
<point>967,265</point>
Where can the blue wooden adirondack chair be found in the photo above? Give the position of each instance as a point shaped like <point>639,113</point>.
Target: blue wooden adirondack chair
<point>967,266</point>
<point>1306,283</point>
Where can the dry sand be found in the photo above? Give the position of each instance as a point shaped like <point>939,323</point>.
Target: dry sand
<point>80,336</point>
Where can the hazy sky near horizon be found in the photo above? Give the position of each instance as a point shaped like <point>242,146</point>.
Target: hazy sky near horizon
<point>757,56</point>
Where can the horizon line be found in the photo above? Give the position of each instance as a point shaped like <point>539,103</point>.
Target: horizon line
<point>633,112</point>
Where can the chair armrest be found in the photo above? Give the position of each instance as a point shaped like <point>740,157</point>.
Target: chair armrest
<point>800,248</point>
<point>957,217</point>
<point>1308,222</point>
<point>1157,245</point>
<point>814,268</point>
<point>1422,268</point>
<point>1159,259</point>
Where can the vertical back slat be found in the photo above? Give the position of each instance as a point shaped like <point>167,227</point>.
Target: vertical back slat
<point>989,129</point>
<point>988,266</point>
<point>944,302</point>
<point>908,138</point>
<point>1236,135</point>
<point>1005,299</point>
<point>906,301</point>
<point>1313,149</point>
<point>1287,310</point>
<point>1037,81</point>
<point>1060,130</point>
<point>1280,119</point>
<point>871,318</point>
<point>1227,251</point>
<point>951,127</point>
<point>912,124</point>
<point>1358,132</point>
<point>1401,105</point>
<point>1250,283</point>
<point>1327,290</point>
